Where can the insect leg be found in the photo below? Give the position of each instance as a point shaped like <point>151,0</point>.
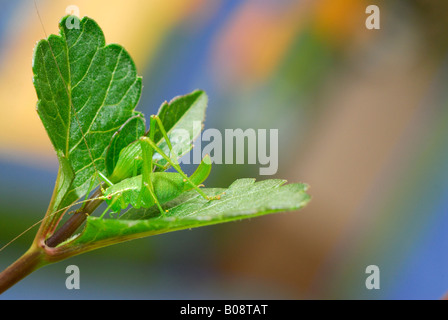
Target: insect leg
<point>172,162</point>
<point>92,182</point>
<point>147,167</point>
<point>151,191</point>
<point>150,143</point>
<point>162,130</point>
<point>109,207</point>
<point>104,178</point>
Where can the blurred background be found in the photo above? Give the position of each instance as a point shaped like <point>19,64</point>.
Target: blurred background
<point>362,118</point>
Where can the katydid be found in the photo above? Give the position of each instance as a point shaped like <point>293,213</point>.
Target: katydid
<point>126,187</point>
<point>150,187</point>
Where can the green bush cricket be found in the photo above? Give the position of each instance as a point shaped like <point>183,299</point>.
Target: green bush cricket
<point>150,188</point>
<point>154,188</point>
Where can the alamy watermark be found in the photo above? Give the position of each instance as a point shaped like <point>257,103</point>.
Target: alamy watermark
<point>72,21</point>
<point>73,280</point>
<point>234,146</point>
<point>373,18</point>
<point>373,280</point>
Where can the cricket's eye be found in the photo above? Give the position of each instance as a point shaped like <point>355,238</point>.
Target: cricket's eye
<point>109,197</point>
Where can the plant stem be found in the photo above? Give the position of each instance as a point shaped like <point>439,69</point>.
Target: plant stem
<point>43,252</point>
<point>74,222</point>
<point>26,264</point>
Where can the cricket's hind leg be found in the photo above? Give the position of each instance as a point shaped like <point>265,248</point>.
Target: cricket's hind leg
<point>173,162</point>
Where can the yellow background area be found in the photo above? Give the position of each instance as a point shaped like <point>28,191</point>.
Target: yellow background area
<point>140,31</point>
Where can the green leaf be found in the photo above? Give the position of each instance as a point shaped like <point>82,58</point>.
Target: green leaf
<point>182,118</point>
<point>86,92</point>
<point>245,198</point>
<point>167,186</point>
<point>132,129</point>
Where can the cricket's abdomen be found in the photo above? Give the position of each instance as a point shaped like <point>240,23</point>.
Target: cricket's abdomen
<point>132,191</point>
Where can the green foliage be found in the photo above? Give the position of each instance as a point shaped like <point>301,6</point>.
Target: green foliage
<point>87,94</point>
<point>184,114</point>
<point>245,198</point>
<point>131,130</point>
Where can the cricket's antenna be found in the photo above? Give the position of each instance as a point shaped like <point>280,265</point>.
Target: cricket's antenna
<point>21,234</point>
<point>40,19</point>
<point>68,93</point>
<point>57,211</point>
<point>83,136</point>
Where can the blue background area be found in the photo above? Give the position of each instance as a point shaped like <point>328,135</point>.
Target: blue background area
<point>399,226</point>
